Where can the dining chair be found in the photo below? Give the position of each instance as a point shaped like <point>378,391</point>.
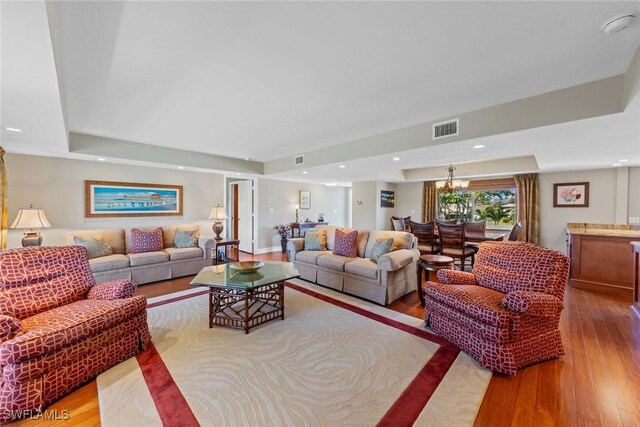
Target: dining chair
<point>515,232</point>
<point>399,223</point>
<point>425,233</point>
<point>475,227</point>
<point>452,242</point>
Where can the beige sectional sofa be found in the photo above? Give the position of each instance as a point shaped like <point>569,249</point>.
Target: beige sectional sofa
<point>393,276</point>
<point>149,266</point>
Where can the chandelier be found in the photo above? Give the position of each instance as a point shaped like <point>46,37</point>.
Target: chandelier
<point>451,185</point>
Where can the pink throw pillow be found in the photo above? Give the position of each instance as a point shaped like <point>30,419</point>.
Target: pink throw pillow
<point>146,241</point>
<point>346,243</point>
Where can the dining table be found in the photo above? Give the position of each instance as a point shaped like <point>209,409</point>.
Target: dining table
<point>477,237</point>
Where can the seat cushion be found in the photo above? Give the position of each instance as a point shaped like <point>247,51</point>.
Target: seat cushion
<point>147,258</point>
<point>362,267</point>
<point>52,330</point>
<point>428,248</point>
<point>110,262</point>
<point>480,303</point>
<point>311,257</point>
<point>334,262</point>
<point>183,253</point>
<point>457,252</point>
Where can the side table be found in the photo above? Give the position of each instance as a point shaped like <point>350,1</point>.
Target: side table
<point>220,253</point>
<point>431,263</point>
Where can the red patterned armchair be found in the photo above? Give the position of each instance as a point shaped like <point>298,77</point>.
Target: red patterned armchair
<point>58,329</point>
<point>506,312</point>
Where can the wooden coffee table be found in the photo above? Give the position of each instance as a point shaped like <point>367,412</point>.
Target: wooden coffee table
<point>245,300</point>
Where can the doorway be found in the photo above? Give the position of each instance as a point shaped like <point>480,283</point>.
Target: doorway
<point>241,200</point>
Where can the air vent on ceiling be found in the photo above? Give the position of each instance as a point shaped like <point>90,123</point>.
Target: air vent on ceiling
<point>298,160</point>
<point>445,129</point>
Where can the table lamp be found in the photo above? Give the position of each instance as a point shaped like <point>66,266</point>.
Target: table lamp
<point>297,206</point>
<point>31,218</point>
<point>218,215</point>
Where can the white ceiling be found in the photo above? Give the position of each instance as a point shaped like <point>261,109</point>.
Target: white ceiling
<point>267,80</point>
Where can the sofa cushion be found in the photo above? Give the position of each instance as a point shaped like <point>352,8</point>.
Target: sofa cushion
<point>315,241</point>
<point>362,267</point>
<point>334,262</point>
<point>401,240</point>
<point>311,257</point>
<point>148,258</point>
<point>54,329</point>
<point>381,247</point>
<point>480,303</point>
<point>186,239</point>
<point>346,243</point>
<point>183,253</point>
<point>109,262</point>
<point>146,241</point>
<point>169,232</point>
<point>114,237</point>
<point>95,247</point>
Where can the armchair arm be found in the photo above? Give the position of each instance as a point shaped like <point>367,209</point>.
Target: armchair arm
<point>116,289</point>
<point>395,260</point>
<point>454,277</point>
<point>294,245</point>
<point>206,244</point>
<point>9,327</point>
<point>533,303</point>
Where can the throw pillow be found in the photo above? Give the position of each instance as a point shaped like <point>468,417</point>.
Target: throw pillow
<point>381,247</point>
<point>95,247</point>
<point>398,224</point>
<point>146,241</point>
<point>346,243</point>
<point>186,239</point>
<point>315,241</point>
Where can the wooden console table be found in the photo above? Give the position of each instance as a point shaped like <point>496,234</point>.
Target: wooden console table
<point>302,227</point>
<point>224,245</point>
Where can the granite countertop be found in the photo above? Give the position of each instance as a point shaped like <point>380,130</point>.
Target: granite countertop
<point>610,230</point>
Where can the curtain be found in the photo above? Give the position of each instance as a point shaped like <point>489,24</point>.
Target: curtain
<point>528,206</point>
<point>429,201</point>
<point>4,221</point>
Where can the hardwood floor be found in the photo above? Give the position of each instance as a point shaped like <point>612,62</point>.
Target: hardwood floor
<point>597,383</point>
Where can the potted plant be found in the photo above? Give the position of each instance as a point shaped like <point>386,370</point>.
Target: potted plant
<point>283,230</point>
<point>321,217</point>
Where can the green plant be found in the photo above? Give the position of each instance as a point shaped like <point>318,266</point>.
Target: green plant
<point>496,213</point>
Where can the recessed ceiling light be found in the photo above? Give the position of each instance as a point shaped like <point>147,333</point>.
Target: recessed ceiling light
<point>238,173</point>
<point>478,146</point>
<point>617,24</point>
<point>395,159</point>
<point>623,160</point>
<point>101,159</point>
<point>331,184</point>
<point>14,129</point>
<point>617,164</point>
<point>247,159</point>
<point>181,167</point>
<point>304,172</point>
<point>342,166</point>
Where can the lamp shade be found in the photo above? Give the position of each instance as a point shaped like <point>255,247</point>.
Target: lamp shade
<point>31,218</point>
<point>218,213</point>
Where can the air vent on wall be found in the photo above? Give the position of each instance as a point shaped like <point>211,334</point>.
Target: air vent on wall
<point>298,160</point>
<point>445,129</point>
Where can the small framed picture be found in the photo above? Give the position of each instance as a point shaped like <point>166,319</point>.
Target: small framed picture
<point>387,199</point>
<point>305,199</point>
<point>222,255</point>
<point>571,195</point>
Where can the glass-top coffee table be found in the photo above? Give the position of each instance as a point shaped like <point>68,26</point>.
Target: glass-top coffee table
<point>245,300</point>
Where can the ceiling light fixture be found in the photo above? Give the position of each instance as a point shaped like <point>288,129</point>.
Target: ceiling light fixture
<point>623,160</point>
<point>619,23</point>
<point>451,185</point>
<point>181,167</point>
<point>247,159</point>
<point>14,129</point>
<point>342,166</point>
<point>395,159</point>
<point>331,184</point>
<point>101,159</point>
<point>617,164</point>
<point>304,172</point>
<point>478,146</point>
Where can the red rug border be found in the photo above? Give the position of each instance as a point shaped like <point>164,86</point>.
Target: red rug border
<point>174,409</point>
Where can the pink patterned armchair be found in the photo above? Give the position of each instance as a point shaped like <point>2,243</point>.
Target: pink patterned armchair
<point>506,312</point>
<point>58,329</point>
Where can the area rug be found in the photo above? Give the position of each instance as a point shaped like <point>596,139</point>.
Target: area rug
<point>333,360</point>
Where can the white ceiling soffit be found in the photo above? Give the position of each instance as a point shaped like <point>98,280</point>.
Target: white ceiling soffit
<point>267,80</point>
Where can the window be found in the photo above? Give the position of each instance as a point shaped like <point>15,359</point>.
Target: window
<point>493,200</point>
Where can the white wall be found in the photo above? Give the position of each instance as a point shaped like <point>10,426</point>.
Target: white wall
<point>276,200</point>
<point>364,205</point>
<point>57,186</point>
<point>409,200</point>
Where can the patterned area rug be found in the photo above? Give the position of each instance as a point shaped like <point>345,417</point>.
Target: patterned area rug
<point>334,360</point>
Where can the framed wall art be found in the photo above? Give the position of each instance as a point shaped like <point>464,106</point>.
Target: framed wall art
<point>305,199</point>
<point>104,199</point>
<point>571,195</point>
<point>387,199</point>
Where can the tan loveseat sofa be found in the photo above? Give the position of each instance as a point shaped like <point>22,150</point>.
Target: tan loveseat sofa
<point>149,266</point>
<point>393,276</point>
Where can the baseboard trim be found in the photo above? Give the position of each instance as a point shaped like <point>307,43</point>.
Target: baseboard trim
<point>268,250</point>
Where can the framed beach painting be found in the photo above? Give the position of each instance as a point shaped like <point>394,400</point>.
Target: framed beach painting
<point>105,199</point>
<point>571,195</point>
<point>305,199</point>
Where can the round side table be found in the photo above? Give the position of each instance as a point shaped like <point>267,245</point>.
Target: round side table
<point>431,263</point>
